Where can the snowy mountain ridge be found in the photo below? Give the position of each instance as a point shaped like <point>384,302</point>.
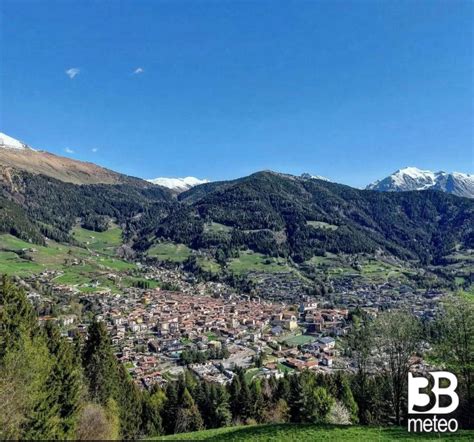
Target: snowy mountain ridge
<point>412,178</point>
<point>178,184</point>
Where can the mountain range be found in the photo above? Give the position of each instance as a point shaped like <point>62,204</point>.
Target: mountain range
<point>15,153</point>
<point>412,178</point>
<point>44,196</point>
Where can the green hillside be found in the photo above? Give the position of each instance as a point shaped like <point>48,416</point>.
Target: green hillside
<point>283,215</point>
<point>269,213</point>
<point>86,265</point>
<point>310,432</point>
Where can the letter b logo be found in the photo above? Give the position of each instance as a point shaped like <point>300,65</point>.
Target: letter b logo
<point>419,402</point>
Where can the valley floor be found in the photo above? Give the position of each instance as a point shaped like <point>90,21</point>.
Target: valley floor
<point>310,432</point>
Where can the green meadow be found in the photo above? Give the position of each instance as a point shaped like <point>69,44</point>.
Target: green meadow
<point>312,432</point>
<point>249,261</point>
<point>168,251</point>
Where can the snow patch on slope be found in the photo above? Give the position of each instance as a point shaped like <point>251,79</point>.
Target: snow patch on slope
<point>11,143</point>
<point>308,176</point>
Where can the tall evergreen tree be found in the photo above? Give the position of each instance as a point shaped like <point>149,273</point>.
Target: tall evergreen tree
<point>171,408</point>
<point>283,388</point>
<point>340,389</point>
<point>234,393</point>
<point>66,377</point>
<point>153,404</point>
<point>296,400</point>
<point>129,399</point>
<point>221,415</point>
<point>16,316</point>
<point>28,394</point>
<point>245,400</point>
<point>188,417</point>
<point>258,403</point>
<point>100,364</point>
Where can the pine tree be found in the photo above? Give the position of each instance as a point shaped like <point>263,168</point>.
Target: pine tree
<point>234,392</point>
<point>245,399</point>
<point>188,417</point>
<point>221,415</point>
<point>107,379</point>
<point>283,389</point>
<point>258,403</point>
<point>296,400</point>
<point>153,404</point>
<point>204,396</point>
<point>28,394</point>
<point>16,316</point>
<point>318,403</point>
<point>129,399</point>
<point>66,377</point>
<point>171,408</point>
<point>100,364</point>
<point>344,394</point>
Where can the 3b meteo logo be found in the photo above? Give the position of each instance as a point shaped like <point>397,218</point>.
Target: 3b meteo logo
<point>428,402</point>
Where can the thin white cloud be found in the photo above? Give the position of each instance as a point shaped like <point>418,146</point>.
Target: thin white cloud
<point>138,71</point>
<point>94,149</point>
<point>68,150</point>
<point>72,72</point>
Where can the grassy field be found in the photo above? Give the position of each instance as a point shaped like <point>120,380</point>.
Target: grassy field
<point>78,266</point>
<point>256,262</point>
<point>101,242</point>
<point>208,264</point>
<point>309,432</point>
<point>380,271</point>
<point>168,251</point>
<point>370,269</point>
<point>216,228</point>
<point>250,373</point>
<point>293,341</point>
<point>332,264</point>
<point>20,257</point>
<point>468,293</point>
<point>12,264</point>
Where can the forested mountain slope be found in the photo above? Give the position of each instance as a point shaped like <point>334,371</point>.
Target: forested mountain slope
<point>268,212</point>
<point>34,206</point>
<point>282,214</point>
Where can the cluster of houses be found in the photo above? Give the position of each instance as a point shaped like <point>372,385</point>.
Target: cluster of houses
<point>151,328</point>
<point>356,293</point>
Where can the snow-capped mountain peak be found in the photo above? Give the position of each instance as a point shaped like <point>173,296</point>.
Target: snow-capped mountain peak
<point>11,143</point>
<point>308,176</point>
<point>412,178</point>
<point>178,184</point>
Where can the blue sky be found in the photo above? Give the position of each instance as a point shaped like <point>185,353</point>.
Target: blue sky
<point>351,90</point>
